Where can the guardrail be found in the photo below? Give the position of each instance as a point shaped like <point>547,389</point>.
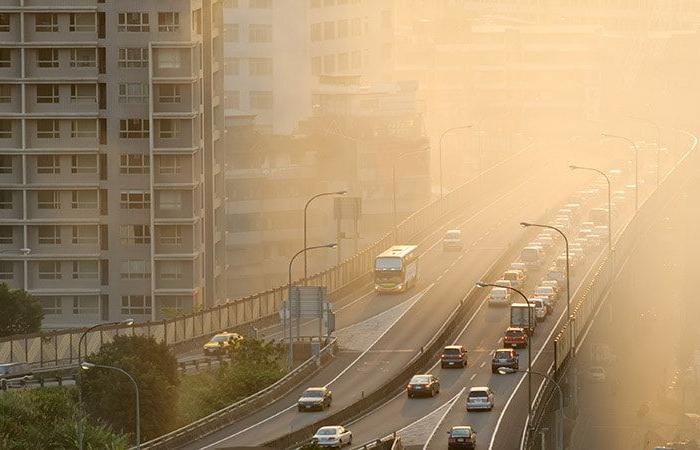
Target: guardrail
<point>52,348</point>
<point>600,282</point>
<point>235,411</point>
<point>391,442</point>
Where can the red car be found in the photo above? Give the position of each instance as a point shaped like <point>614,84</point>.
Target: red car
<point>515,337</point>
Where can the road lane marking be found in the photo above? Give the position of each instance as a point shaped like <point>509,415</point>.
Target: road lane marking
<point>447,410</point>
<point>482,364</point>
<point>472,377</point>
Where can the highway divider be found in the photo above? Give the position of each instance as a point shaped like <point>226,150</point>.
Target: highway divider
<point>60,347</point>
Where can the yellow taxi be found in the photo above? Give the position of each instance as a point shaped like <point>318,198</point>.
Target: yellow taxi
<point>221,343</point>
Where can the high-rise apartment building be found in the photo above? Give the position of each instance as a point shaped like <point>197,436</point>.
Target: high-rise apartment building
<point>111,147</point>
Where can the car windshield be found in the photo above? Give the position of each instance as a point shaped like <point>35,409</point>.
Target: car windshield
<point>451,351</point>
<point>219,339</point>
<point>513,333</point>
<point>388,278</point>
<point>313,393</point>
<point>452,235</point>
<point>502,355</point>
<point>327,432</point>
<point>4,369</point>
<point>420,379</point>
<point>388,263</point>
<point>537,303</point>
<point>478,394</point>
<point>461,432</point>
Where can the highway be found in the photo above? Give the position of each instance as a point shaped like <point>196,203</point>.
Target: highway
<point>446,277</point>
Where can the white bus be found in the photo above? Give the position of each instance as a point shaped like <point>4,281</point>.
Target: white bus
<point>396,269</point>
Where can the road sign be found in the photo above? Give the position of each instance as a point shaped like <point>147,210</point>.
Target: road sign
<point>307,301</point>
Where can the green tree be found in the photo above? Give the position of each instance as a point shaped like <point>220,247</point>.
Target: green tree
<point>109,395</point>
<point>21,313</point>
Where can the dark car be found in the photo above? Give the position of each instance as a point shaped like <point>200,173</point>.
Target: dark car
<point>504,357</point>
<point>315,398</point>
<point>515,337</point>
<point>423,385</point>
<point>453,356</point>
<point>461,437</point>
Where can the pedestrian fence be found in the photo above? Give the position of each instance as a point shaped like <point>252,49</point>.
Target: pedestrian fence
<point>60,347</point>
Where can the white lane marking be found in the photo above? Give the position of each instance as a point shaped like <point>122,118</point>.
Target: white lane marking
<point>447,410</point>
<point>472,377</point>
<point>482,364</point>
<point>354,301</point>
<point>348,367</point>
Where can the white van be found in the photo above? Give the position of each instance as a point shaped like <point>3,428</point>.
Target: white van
<point>452,240</point>
<point>499,296</point>
<point>516,277</point>
<point>532,255</point>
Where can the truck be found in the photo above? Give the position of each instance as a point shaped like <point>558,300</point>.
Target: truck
<point>519,315</point>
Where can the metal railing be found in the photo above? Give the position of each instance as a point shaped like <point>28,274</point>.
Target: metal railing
<point>60,347</point>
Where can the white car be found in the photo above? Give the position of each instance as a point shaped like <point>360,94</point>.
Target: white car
<point>552,283</point>
<point>333,436</point>
<point>505,283</point>
<point>480,398</point>
<point>546,292</point>
<point>519,265</point>
<point>540,308</point>
<point>516,277</point>
<point>499,296</point>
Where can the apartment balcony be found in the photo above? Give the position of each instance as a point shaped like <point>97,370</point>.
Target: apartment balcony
<point>64,204</point>
<point>67,241</point>
<point>14,279</point>
<point>62,31</point>
<point>178,98</point>
<point>11,175</point>
<point>76,100</point>
<point>47,273</point>
<point>176,204</point>
<point>47,66</point>
<point>69,170</point>
<point>176,170</point>
<point>177,273</point>
<point>74,5</point>
<point>11,206</point>
<point>58,133</point>
<point>11,34</point>
<point>176,133</point>
<point>11,70</point>
<point>11,104</point>
<point>173,240</point>
<point>175,62</point>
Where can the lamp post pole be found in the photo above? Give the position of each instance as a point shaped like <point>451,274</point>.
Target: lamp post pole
<point>290,356</point>
<point>481,284</point>
<point>607,178</point>
<point>658,146</point>
<point>462,127</point>
<point>88,365</point>
<point>393,182</point>
<point>306,207</point>
<point>636,166</point>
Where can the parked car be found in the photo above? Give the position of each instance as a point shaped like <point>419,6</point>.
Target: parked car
<point>480,398</point>
<point>462,437</point>
<point>221,343</point>
<point>453,356</point>
<point>333,436</point>
<point>452,240</point>
<point>422,385</point>
<point>315,398</point>
<point>504,357</point>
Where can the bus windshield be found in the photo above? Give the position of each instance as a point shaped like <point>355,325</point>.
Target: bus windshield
<point>388,263</point>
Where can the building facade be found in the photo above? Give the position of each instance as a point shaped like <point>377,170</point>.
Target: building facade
<point>111,177</point>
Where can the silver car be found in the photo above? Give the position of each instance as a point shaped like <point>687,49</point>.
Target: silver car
<point>480,398</point>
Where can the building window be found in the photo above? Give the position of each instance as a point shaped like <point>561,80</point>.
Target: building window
<point>6,164</point>
<point>86,305</point>
<point>47,129</point>
<point>328,30</point>
<point>84,234</point>
<point>5,93</point>
<point>49,234</point>
<point>133,57</point>
<point>51,305</point>
<point>135,200</point>
<point>134,163</point>
<point>261,4</point>
<point>5,129</point>
<point>134,305</point>
<point>84,200</point>
<point>46,22</point>
<point>83,93</point>
<point>135,269</point>
<point>134,234</point>
<point>6,200</point>
<point>47,58</point>
<point>329,64</point>
<point>170,235</point>
<point>316,32</point>
<point>133,22</point>
<point>82,22</point>
<point>170,200</point>
<point>6,235</point>
<point>83,270</point>
<point>4,23</point>
<point>48,164</point>
<point>48,199</point>
<point>47,93</point>
<point>133,92</point>
<point>169,165</point>
<point>169,128</point>
<point>232,99</point>
<point>260,99</point>
<point>260,33</point>
<point>7,270</point>
<point>231,32</point>
<point>169,93</point>
<point>83,57</point>
<point>343,28</point>
<point>260,66</point>
<point>168,21</point>
<point>169,58</point>
<point>232,65</point>
<point>83,128</point>
<point>133,128</point>
<point>83,164</point>
<point>171,270</point>
<point>49,270</point>
<point>5,57</point>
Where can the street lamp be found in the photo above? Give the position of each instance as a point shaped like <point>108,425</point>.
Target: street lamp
<point>658,145</point>
<point>290,356</point>
<point>306,207</point>
<point>463,127</point>
<point>636,166</point>
<point>127,322</point>
<point>568,279</point>
<point>393,179</point>
<point>607,178</point>
<point>481,284</point>
<point>560,434</point>
<point>88,365</point>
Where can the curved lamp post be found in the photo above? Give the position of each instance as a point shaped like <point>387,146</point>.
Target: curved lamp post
<point>481,284</point>
<point>290,356</point>
<point>636,165</point>
<point>462,127</point>
<point>658,145</point>
<point>607,178</point>
<point>88,365</point>
<point>306,207</point>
